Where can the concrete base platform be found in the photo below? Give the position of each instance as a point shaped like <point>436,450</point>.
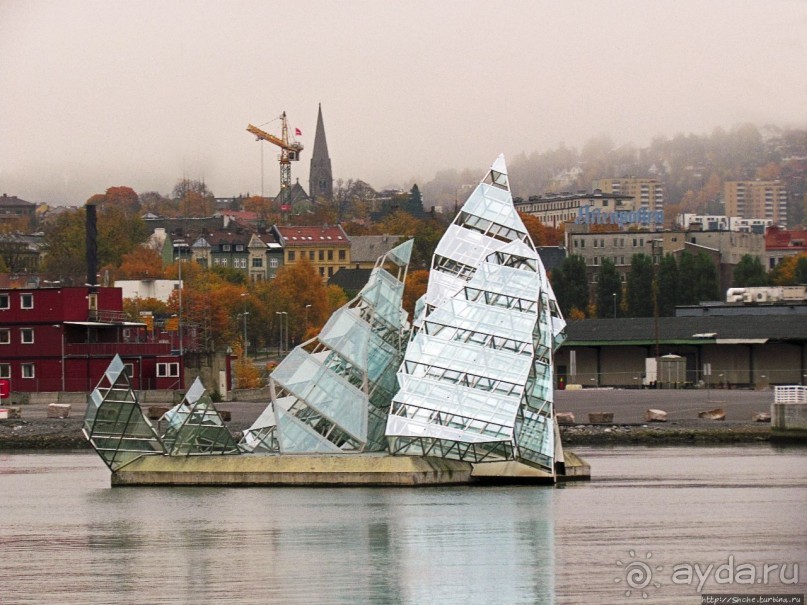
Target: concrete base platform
<point>347,470</point>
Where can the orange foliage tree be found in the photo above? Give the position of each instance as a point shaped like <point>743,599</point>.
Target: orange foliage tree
<point>790,271</point>
<point>542,235</point>
<point>246,374</point>
<point>141,263</point>
<point>414,288</point>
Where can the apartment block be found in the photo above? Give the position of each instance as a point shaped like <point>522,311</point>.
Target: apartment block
<point>756,199</point>
<point>646,192</point>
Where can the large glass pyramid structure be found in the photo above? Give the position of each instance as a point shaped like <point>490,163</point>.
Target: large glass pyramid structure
<point>195,426</point>
<point>333,392</point>
<point>477,376</point>
<point>114,424</point>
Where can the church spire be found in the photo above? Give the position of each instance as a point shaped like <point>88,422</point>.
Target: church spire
<point>320,179</point>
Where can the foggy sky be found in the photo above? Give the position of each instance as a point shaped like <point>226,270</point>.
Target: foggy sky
<point>101,94</point>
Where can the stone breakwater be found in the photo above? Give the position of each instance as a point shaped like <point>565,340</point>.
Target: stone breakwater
<point>658,434</point>
<point>65,433</point>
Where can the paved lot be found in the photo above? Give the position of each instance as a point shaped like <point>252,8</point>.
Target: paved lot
<point>627,405</point>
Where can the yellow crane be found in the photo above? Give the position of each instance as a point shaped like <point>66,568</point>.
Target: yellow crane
<point>289,152</point>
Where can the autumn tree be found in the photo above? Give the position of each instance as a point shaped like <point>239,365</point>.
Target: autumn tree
<point>639,291</point>
<point>750,273</point>
<point>609,290</point>
<point>141,263</point>
<point>790,271</point>
<point>246,374</point>
<point>414,288</point>
<point>123,198</point>
<point>541,235</point>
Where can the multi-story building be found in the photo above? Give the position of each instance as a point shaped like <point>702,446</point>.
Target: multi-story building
<point>690,222</point>
<point>12,207</point>
<point>756,199</point>
<point>781,243</point>
<point>326,247</point>
<point>365,250</point>
<point>557,208</point>
<point>725,248</point>
<point>228,249</point>
<point>647,193</point>
<point>58,339</point>
<point>265,256</point>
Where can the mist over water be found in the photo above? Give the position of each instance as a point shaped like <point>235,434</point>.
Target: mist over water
<point>67,537</point>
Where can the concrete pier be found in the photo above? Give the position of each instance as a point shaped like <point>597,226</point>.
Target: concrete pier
<point>346,470</point>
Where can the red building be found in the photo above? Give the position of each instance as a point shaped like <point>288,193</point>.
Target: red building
<point>62,339</point>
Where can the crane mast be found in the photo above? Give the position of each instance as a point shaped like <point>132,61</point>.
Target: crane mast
<point>289,152</point>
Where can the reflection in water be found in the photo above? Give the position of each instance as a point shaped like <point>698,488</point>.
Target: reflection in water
<point>67,537</point>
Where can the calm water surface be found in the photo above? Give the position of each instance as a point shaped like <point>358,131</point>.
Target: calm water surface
<point>67,537</point>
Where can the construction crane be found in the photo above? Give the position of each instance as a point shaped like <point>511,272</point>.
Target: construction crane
<point>289,152</point>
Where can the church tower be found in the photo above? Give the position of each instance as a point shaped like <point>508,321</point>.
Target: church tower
<point>320,178</point>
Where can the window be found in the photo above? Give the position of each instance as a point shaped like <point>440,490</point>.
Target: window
<point>330,254</point>
<point>128,369</point>
<point>257,262</point>
<point>4,301</point>
<point>5,370</point>
<point>273,263</point>
<point>342,255</point>
<point>226,247</point>
<point>311,255</point>
<point>167,370</point>
<point>595,242</point>
<point>27,336</point>
<point>239,247</point>
<point>28,370</point>
<point>322,255</point>
<point>322,271</point>
<point>26,301</point>
<point>5,337</point>
<point>330,271</point>
<point>291,256</point>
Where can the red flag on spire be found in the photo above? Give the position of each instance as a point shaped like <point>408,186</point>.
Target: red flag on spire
<point>298,132</point>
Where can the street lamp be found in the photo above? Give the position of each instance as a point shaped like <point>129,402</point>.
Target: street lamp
<point>281,342</point>
<point>57,326</point>
<point>614,297</point>
<point>246,342</point>
<point>307,307</point>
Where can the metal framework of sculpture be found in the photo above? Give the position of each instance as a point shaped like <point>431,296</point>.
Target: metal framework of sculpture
<point>114,424</point>
<point>195,427</point>
<point>477,377</point>
<point>333,392</point>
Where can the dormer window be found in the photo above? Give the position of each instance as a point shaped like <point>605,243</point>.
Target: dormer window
<point>226,247</point>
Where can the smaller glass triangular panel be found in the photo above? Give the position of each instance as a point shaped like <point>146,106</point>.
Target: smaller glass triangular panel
<point>196,427</point>
<point>114,424</point>
<point>402,253</point>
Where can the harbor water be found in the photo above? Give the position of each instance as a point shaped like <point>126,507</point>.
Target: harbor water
<point>629,535</point>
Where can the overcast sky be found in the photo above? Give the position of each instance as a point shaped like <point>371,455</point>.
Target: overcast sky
<point>100,94</point>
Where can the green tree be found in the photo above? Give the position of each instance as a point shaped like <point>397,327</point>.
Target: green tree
<point>707,280</point>
<point>687,280</point>
<point>750,273</point>
<point>668,286</point>
<point>119,233</point>
<point>640,286</point>
<point>800,274</point>
<point>609,290</point>
<point>570,283</point>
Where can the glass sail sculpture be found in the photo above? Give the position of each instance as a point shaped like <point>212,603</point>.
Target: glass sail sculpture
<point>114,424</point>
<point>476,382</point>
<point>195,427</point>
<point>333,392</point>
